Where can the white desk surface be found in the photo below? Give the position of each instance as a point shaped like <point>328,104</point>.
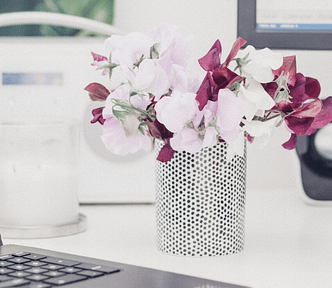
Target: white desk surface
<point>288,243</point>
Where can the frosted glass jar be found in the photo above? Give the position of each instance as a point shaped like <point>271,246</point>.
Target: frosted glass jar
<point>39,174</point>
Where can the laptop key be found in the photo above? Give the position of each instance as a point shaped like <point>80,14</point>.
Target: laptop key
<point>59,261</point>
<point>100,268</point>
<point>19,274</point>
<point>38,285</point>
<point>70,270</point>
<point>54,273</point>
<point>36,264</point>
<point>36,270</point>
<point>18,260</point>
<point>34,256</point>
<point>90,273</point>
<point>4,257</point>
<point>53,267</point>
<point>19,267</point>
<point>21,254</point>
<point>66,279</point>
<point>37,277</point>
<point>4,278</point>
<point>4,271</point>
<point>5,264</point>
<point>14,283</point>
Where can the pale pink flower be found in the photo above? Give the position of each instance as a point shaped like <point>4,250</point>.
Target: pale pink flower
<point>171,45</point>
<point>116,141</point>
<point>186,140</point>
<point>140,78</point>
<point>160,83</point>
<point>209,112</point>
<point>122,92</point>
<point>191,141</point>
<point>184,80</point>
<point>229,114</point>
<point>177,110</point>
<point>128,49</point>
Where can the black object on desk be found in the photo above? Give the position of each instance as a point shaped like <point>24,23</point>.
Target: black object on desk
<point>315,155</point>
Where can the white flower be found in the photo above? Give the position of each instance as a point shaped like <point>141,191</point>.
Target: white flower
<point>255,98</point>
<point>272,130</point>
<point>261,63</point>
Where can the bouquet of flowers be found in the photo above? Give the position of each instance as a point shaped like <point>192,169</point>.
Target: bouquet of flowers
<point>152,95</point>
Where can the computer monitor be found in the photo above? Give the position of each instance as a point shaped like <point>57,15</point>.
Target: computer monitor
<point>284,24</point>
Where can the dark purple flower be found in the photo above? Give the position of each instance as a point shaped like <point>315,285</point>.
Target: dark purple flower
<point>218,76</point>
<point>98,115</point>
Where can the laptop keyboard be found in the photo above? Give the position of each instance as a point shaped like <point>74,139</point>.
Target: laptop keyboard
<point>32,270</point>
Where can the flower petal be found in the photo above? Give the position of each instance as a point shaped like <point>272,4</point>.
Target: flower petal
<point>97,92</point>
<point>166,153</point>
<point>158,130</point>
<point>291,143</point>
<point>235,49</point>
<point>98,115</point>
<point>212,59</point>
<point>309,109</point>
<point>224,77</point>
<point>204,92</point>
<point>288,68</point>
<point>323,118</point>
<point>299,126</point>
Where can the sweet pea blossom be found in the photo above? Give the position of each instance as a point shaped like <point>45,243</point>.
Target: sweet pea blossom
<point>128,49</point>
<point>117,141</point>
<point>171,45</point>
<point>273,130</point>
<point>229,115</point>
<point>189,140</point>
<point>100,61</point>
<point>255,98</point>
<point>177,110</point>
<point>218,75</point>
<point>303,112</point>
<point>259,64</point>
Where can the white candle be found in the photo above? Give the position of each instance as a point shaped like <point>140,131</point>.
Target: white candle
<point>38,176</point>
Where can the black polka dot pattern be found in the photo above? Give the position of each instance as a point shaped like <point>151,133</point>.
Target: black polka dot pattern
<point>200,202</point>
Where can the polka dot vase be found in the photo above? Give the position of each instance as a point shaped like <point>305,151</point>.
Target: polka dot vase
<point>200,202</point>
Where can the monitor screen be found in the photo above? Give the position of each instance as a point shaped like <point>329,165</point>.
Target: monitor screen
<point>285,24</point>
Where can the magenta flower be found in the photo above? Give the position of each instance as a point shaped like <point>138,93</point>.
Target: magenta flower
<point>97,92</point>
<point>303,112</point>
<point>218,76</point>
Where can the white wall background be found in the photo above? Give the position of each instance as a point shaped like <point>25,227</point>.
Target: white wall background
<point>208,20</point>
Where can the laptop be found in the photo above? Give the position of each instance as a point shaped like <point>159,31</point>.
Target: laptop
<point>29,267</point>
